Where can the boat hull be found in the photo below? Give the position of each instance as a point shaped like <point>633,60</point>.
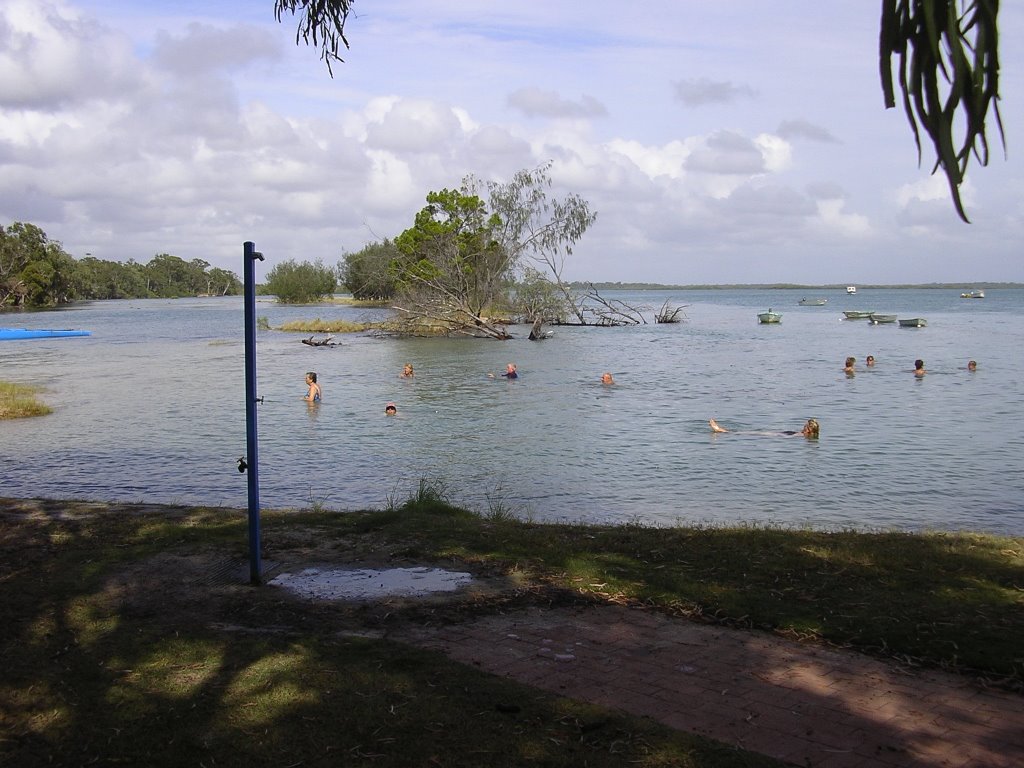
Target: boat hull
<point>877,319</point>
<point>913,322</point>
<point>769,317</point>
<point>854,314</point>
<point>9,334</point>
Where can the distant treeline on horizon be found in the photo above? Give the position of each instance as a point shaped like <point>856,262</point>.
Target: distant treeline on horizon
<point>782,286</point>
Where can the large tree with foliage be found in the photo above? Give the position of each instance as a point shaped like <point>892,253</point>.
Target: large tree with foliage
<point>34,270</point>
<point>948,53</point>
<point>450,271</point>
<point>367,273</point>
<point>305,283</point>
<point>461,258</point>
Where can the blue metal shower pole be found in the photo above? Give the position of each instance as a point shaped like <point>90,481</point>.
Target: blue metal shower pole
<point>252,438</point>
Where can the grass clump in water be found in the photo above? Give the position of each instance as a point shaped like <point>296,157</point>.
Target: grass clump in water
<point>19,401</point>
<point>324,326</point>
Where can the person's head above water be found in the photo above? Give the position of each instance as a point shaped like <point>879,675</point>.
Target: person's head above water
<point>811,428</point>
<point>390,409</point>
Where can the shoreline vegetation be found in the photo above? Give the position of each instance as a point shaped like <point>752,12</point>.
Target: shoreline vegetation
<point>133,636</point>
<point>18,401</point>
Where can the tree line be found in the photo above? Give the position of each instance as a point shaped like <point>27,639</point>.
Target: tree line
<point>36,271</point>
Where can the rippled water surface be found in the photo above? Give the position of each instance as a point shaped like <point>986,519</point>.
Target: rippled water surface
<point>152,407</point>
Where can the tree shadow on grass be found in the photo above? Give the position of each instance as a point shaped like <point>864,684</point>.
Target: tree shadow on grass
<point>116,652</point>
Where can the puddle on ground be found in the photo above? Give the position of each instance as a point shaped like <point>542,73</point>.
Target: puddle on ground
<point>368,583</point>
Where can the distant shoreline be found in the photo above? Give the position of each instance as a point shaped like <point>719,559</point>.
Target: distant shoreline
<point>787,286</point>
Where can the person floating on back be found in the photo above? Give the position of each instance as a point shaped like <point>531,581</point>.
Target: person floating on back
<point>810,430</point>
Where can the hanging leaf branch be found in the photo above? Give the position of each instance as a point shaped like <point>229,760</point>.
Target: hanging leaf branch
<point>321,22</point>
<point>948,65</point>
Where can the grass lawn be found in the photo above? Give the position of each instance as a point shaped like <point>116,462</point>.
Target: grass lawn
<point>124,642</point>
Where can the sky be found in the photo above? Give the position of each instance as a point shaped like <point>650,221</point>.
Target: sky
<point>727,142</point>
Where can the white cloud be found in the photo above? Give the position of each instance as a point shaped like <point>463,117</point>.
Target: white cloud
<point>414,126</point>
<point>727,152</point>
<point>128,129</point>
<point>52,56</point>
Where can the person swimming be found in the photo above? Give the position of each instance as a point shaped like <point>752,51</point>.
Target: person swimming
<point>390,409</point>
<point>919,370</point>
<point>870,361</point>
<point>510,371</point>
<point>313,394</point>
<point>972,365</point>
<point>606,378</point>
<point>850,362</point>
<point>408,372</point>
<point>811,429</point>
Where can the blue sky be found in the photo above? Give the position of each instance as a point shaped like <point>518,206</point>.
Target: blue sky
<point>717,142</point>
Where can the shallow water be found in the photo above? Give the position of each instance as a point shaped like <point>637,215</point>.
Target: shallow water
<point>152,407</point>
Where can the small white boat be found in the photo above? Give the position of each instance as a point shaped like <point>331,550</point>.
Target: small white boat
<point>857,314</point>
<point>769,317</point>
<point>813,302</point>
<point>973,295</point>
<point>851,289</point>
<point>877,319</point>
<point>913,322</point>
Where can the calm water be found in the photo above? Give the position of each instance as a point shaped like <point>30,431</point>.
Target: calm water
<point>151,407</point>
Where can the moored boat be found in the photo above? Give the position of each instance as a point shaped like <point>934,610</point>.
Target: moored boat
<point>769,317</point>
<point>8,334</point>
<point>913,322</point>
<point>877,319</point>
<point>857,314</point>
<point>973,295</point>
<point>851,289</point>
<point>813,302</point>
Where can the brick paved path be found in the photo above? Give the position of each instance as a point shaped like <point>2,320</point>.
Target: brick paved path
<point>800,703</point>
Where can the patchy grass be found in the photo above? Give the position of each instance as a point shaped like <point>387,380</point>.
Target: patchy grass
<point>934,599</point>
<point>120,645</point>
<point>19,401</point>
<point>325,326</point>
<point>119,648</point>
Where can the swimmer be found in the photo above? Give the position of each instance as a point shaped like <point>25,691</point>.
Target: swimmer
<point>972,365</point>
<point>390,409</point>
<point>510,371</point>
<point>313,393</point>
<point>869,361</point>
<point>850,362</point>
<point>606,378</point>
<point>408,372</point>
<point>919,370</point>
<point>810,430</point>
